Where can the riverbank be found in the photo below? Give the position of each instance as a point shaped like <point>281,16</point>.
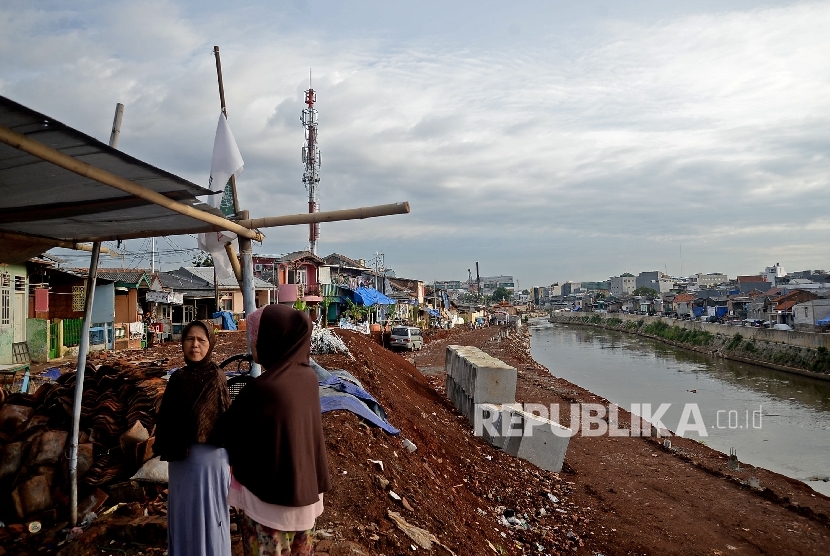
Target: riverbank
<point>728,342</point>
<point>615,495</point>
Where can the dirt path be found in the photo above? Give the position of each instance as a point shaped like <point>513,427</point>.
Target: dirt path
<point>656,501</point>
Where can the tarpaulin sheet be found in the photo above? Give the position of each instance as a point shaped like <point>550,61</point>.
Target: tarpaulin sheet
<point>227,320</point>
<point>370,296</point>
<point>340,390</point>
<point>823,322</point>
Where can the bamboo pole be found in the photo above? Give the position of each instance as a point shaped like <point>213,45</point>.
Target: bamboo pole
<point>35,148</point>
<point>55,242</point>
<point>237,270</point>
<point>327,216</point>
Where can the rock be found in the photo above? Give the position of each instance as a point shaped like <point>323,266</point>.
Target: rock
<point>17,504</point>
<point>10,457</point>
<point>405,504</point>
<point>48,448</point>
<point>382,481</point>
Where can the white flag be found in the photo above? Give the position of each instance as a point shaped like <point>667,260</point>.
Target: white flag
<point>227,160</point>
<point>214,243</point>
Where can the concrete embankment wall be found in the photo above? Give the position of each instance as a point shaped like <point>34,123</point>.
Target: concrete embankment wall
<point>798,339</point>
<point>792,352</point>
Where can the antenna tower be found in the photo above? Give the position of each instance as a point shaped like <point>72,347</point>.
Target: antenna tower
<point>311,159</point>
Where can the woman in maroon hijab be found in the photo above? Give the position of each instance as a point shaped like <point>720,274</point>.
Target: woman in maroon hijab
<point>274,436</point>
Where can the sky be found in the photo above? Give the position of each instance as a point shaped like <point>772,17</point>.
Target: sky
<point>549,140</point>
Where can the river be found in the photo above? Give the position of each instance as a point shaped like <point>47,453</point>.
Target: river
<point>772,419</point>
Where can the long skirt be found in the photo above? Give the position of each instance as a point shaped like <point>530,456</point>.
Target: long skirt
<point>261,540</point>
<point>198,517</point>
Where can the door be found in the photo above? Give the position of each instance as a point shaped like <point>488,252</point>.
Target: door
<point>19,317</point>
<point>54,343</point>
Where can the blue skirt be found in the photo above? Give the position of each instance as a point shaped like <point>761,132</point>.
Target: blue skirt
<point>198,518</point>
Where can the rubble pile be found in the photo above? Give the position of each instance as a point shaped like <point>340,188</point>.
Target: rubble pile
<point>324,340</point>
<point>119,404</point>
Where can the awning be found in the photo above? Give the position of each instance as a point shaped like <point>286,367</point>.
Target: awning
<point>370,296</point>
<point>43,204</point>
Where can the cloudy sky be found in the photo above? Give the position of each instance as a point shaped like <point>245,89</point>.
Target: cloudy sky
<point>549,140</point>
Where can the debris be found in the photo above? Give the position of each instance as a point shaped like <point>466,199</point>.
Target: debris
<point>34,527</point>
<point>405,504</point>
<point>409,445</point>
<point>422,537</point>
<point>377,462</point>
<point>383,482</point>
<point>324,340</point>
<point>394,496</point>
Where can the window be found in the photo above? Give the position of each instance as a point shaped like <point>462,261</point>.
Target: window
<point>302,276</point>
<point>805,311</point>
<point>20,283</point>
<point>227,304</point>
<point>5,299</point>
<point>189,313</point>
<point>78,298</point>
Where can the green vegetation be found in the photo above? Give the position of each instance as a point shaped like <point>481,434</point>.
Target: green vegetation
<point>613,321</point>
<point>750,346</point>
<point>500,294</point>
<point>821,364</point>
<point>646,292</point>
<point>595,319</point>
<point>677,334</point>
<point>735,342</point>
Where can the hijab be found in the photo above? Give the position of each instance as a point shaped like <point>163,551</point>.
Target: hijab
<point>275,431</point>
<point>195,397</point>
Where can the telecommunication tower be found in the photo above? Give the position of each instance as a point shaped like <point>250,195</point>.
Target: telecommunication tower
<point>311,159</point>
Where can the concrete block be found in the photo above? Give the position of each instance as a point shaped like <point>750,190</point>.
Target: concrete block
<point>541,442</point>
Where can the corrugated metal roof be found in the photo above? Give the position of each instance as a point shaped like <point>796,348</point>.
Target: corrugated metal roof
<point>41,199</point>
<point>206,273</point>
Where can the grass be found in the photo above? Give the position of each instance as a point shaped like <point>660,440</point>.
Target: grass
<point>677,334</point>
<point>735,342</point>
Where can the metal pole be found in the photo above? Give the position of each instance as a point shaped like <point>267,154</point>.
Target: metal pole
<point>116,125</point>
<point>83,350</point>
<point>246,251</point>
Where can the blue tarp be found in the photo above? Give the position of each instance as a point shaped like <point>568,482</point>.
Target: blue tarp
<point>227,320</point>
<point>370,296</point>
<point>434,312</point>
<point>823,322</point>
<point>337,391</point>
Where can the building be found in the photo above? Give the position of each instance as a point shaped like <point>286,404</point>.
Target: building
<point>14,308</point>
<point>654,280</point>
<point>450,285</point>
<point>711,279</point>
<point>625,284</point>
<point>555,290</point>
<point>807,313</point>
<point>775,273</point>
<point>489,284</point>
<point>596,286</point>
<point>571,288</point>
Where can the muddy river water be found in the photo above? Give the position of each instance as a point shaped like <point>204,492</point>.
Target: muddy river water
<point>772,419</point>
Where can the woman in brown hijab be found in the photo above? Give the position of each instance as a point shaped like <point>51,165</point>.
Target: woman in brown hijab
<point>274,435</point>
<point>198,520</point>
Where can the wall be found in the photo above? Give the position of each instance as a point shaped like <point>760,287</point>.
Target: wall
<point>37,336</point>
<point>798,339</point>
<point>6,341</point>
<point>103,303</point>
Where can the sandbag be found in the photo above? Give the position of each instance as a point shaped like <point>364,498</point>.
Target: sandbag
<point>154,471</point>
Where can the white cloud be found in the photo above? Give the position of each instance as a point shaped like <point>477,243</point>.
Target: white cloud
<point>564,156</point>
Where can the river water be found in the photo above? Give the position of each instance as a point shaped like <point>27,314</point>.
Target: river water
<point>774,420</point>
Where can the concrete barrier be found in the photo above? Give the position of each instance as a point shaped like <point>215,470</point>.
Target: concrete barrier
<point>483,389</point>
<point>523,435</point>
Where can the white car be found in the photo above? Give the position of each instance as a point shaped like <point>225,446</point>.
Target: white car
<point>406,337</point>
<point>782,327</point>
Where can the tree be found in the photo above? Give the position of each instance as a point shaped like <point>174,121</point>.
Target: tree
<point>202,259</point>
<point>646,292</point>
<point>501,293</point>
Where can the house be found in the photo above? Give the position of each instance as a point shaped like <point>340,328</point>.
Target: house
<point>747,283</point>
<point>230,294</point>
<point>301,268</point>
<point>781,311</point>
<point>14,308</point>
<point>347,272</point>
<point>683,304</point>
<point>807,313</point>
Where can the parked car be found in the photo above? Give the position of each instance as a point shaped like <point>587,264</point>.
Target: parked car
<point>406,337</point>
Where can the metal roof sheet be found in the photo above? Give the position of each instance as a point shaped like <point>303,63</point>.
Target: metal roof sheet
<point>41,199</point>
